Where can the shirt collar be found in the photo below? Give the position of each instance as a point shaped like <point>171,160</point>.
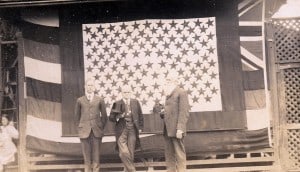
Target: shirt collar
<point>90,95</point>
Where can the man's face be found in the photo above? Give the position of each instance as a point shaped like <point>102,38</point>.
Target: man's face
<point>126,93</point>
<point>89,87</point>
<point>169,86</point>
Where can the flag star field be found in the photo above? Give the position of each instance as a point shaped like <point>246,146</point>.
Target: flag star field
<point>141,53</point>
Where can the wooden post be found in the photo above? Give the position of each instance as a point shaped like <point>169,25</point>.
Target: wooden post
<point>265,70</point>
<point>273,70</point>
<point>1,76</point>
<point>150,167</point>
<point>22,160</point>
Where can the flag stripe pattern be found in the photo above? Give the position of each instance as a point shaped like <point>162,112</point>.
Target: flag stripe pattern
<point>43,90</point>
<point>141,53</point>
<point>251,41</point>
<point>41,70</point>
<point>40,33</point>
<point>41,51</point>
<point>43,86</point>
<point>43,109</point>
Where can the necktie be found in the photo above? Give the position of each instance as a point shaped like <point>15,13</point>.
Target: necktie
<point>127,106</point>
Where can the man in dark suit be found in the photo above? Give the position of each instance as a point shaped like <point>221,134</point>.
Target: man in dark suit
<point>129,121</point>
<point>175,115</point>
<point>90,113</point>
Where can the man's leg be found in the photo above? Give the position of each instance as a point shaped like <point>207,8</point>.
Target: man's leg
<point>124,152</point>
<point>131,142</point>
<point>180,154</point>
<point>169,154</point>
<point>86,150</point>
<point>96,142</point>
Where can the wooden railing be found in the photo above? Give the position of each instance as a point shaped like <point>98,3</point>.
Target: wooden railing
<point>259,160</point>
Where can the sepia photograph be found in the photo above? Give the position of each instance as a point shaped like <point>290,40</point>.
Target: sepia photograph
<point>150,86</point>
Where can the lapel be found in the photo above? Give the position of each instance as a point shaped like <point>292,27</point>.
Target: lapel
<point>122,105</point>
<point>86,99</point>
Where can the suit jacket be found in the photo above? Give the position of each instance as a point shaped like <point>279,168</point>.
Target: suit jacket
<point>117,109</point>
<point>91,116</point>
<point>176,112</point>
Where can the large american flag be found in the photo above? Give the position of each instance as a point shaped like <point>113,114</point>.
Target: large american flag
<point>141,53</point>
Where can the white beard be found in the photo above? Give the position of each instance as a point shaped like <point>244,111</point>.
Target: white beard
<point>168,89</point>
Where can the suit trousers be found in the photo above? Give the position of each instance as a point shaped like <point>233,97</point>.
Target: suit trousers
<point>91,152</point>
<point>175,154</point>
<point>126,143</point>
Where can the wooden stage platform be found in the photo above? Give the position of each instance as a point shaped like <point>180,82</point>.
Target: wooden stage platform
<point>262,160</point>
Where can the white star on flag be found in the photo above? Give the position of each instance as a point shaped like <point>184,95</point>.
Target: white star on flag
<point>141,53</point>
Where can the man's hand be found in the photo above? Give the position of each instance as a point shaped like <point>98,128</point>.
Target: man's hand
<point>179,134</point>
<point>162,115</point>
<point>119,116</point>
<point>159,109</point>
<point>140,130</point>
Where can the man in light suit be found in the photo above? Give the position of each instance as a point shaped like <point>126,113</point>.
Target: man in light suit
<point>90,113</point>
<point>128,118</point>
<point>175,115</point>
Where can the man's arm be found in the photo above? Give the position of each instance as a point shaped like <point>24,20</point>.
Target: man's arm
<point>141,116</point>
<point>112,115</point>
<point>77,110</point>
<point>103,112</point>
<point>183,111</point>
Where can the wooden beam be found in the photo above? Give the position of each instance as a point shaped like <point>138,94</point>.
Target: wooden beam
<point>289,65</point>
<point>292,126</point>
<point>22,160</point>
<point>8,42</point>
<point>14,63</point>
<point>275,95</point>
<point>250,7</point>
<point>243,4</point>
<point>229,169</point>
<point>220,169</point>
<point>1,77</point>
<point>53,158</point>
<point>150,164</point>
<point>47,2</point>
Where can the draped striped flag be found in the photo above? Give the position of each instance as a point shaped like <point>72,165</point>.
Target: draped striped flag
<point>254,63</point>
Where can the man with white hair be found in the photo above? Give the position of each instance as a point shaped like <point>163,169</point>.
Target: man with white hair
<point>175,116</point>
<point>128,118</point>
